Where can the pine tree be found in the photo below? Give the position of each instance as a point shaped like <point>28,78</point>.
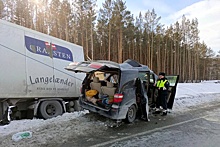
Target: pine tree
<point>129,36</point>
<point>158,37</point>
<point>106,17</point>
<point>85,17</point>
<point>90,26</point>
<point>9,10</point>
<point>177,42</point>
<point>65,18</point>
<point>54,19</point>
<point>102,37</point>
<point>121,16</point>
<point>116,36</point>
<point>22,15</point>
<point>195,33</point>
<point>139,38</point>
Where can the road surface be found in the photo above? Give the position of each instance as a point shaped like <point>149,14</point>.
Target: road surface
<point>196,128</point>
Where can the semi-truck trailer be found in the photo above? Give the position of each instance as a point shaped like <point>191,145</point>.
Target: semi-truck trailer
<point>33,80</point>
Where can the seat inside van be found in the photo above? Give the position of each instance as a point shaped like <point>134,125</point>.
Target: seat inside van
<point>96,84</point>
<point>109,89</point>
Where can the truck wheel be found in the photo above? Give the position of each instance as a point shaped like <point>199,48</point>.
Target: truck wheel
<point>131,114</point>
<point>49,109</point>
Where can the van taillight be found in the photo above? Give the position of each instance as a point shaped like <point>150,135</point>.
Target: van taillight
<point>80,89</point>
<point>118,98</point>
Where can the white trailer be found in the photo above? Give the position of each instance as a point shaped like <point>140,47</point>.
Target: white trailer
<point>32,74</point>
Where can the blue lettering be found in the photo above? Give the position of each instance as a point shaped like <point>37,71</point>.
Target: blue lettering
<point>39,47</point>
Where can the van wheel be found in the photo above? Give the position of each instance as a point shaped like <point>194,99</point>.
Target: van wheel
<point>131,114</point>
<point>49,109</point>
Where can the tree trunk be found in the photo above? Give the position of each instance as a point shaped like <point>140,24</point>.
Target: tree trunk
<point>120,50</point>
<point>87,44</point>
<point>109,42</point>
<point>92,45</point>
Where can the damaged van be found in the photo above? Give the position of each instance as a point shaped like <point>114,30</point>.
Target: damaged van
<point>117,91</point>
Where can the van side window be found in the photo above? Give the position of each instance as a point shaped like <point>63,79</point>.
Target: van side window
<point>143,76</point>
<point>114,79</point>
<point>152,79</point>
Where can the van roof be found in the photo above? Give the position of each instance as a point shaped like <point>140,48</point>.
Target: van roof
<point>132,64</point>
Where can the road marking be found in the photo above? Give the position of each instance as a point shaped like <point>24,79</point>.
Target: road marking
<point>146,132</point>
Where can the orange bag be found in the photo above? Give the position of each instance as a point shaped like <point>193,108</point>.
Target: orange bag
<point>91,93</point>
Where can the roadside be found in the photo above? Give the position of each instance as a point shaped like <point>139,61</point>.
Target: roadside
<point>200,129</point>
<point>127,133</point>
<point>75,126</point>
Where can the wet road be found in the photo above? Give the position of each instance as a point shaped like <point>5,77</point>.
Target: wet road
<point>195,128</point>
<point>198,132</point>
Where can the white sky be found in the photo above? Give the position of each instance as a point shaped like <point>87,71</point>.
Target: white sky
<point>206,11</point>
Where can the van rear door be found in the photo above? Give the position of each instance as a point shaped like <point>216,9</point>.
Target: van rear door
<point>89,66</point>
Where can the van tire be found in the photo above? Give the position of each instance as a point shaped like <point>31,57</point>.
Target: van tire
<point>49,109</point>
<point>131,114</point>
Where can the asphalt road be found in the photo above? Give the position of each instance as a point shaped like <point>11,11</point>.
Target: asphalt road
<point>196,128</point>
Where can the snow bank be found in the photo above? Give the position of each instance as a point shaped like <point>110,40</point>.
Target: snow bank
<point>191,95</point>
<point>197,89</point>
<point>61,129</point>
<point>50,132</point>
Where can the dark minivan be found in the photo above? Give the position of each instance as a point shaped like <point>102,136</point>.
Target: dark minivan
<point>118,91</point>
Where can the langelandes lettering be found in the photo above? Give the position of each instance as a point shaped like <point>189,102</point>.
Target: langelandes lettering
<point>53,79</point>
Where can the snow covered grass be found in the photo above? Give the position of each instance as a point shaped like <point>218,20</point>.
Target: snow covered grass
<point>192,95</point>
<point>61,129</point>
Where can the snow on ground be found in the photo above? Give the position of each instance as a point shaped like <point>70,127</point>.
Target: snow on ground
<point>52,131</point>
<point>71,125</point>
<point>191,95</point>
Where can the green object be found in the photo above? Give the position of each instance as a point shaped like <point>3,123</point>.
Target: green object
<point>21,135</point>
<point>25,135</point>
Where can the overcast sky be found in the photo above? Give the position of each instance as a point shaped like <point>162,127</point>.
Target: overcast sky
<point>206,11</point>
